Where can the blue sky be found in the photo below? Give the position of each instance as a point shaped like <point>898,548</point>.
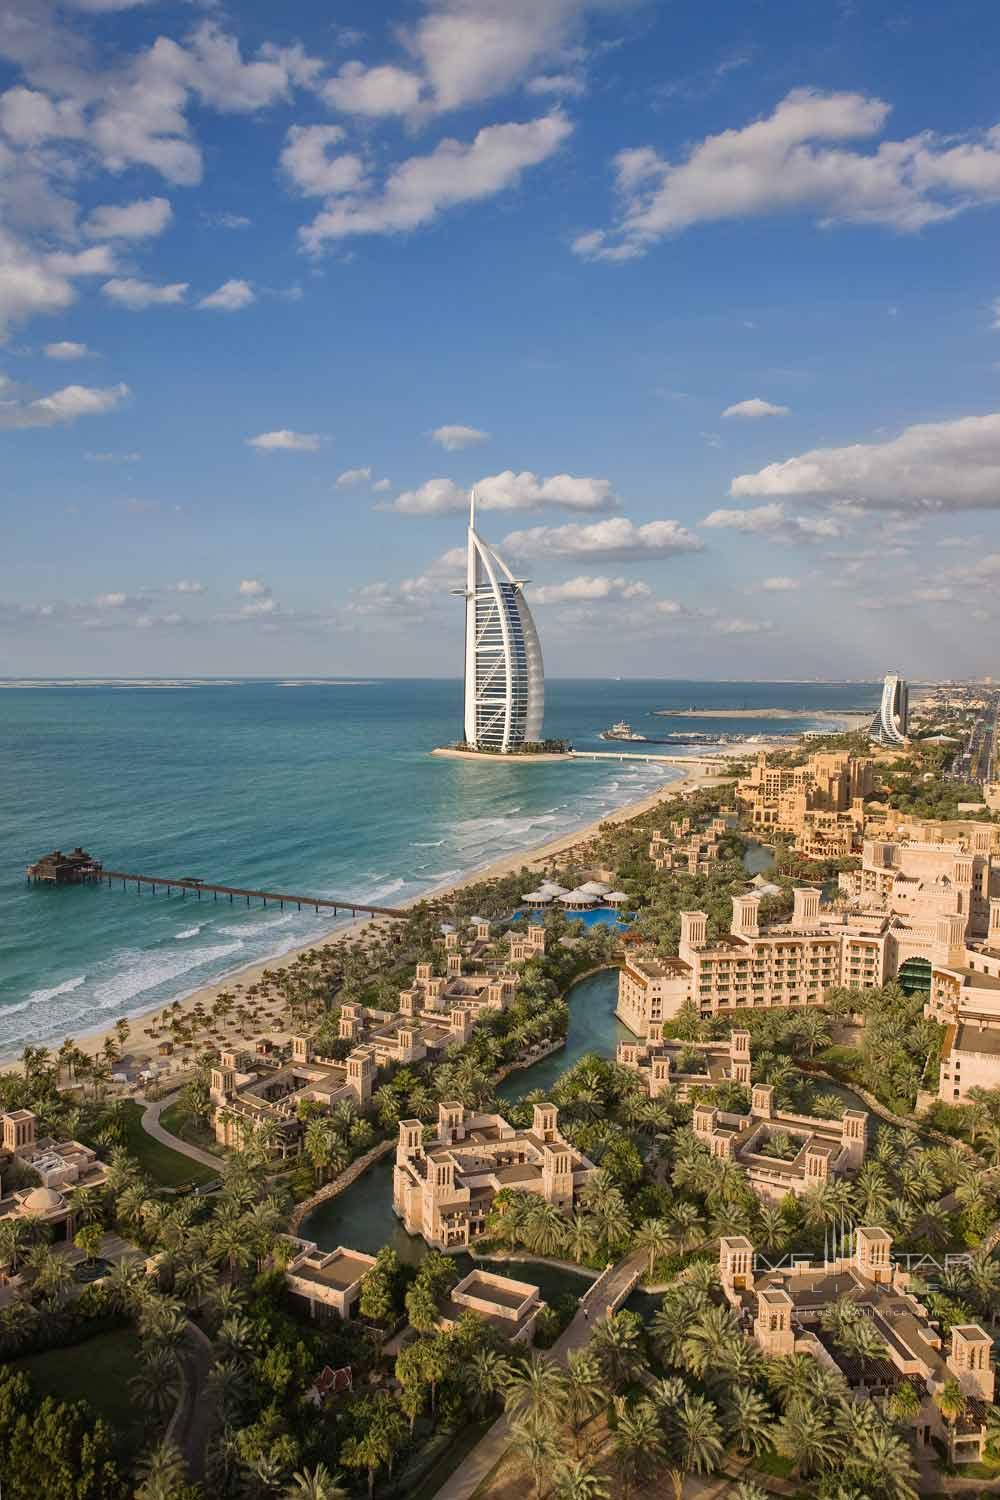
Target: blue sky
<point>704,299</point>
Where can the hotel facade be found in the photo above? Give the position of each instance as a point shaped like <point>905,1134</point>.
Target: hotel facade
<point>504,673</point>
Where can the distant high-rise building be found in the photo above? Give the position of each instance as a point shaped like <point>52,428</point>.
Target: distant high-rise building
<point>504,675</point>
<point>890,724</point>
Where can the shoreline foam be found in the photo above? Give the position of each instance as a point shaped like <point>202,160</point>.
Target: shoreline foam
<point>141,1049</point>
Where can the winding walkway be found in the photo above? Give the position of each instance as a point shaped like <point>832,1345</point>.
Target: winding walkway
<point>151,1125</point>
<point>604,1297</point>
<point>195,1416</point>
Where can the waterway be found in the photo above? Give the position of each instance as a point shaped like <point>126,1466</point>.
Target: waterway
<point>362,1216</point>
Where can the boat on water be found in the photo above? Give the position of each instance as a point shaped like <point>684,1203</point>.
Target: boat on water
<point>621,731</point>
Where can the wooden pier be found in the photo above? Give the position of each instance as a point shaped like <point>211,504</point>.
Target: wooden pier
<point>94,872</point>
<point>280,898</point>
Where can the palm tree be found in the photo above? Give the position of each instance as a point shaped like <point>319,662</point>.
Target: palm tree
<point>484,1377</point>
<point>616,1343</point>
<point>950,1402</point>
<point>156,1384</point>
<point>575,1481</point>
<point>707,1339</point>
<point>748,1419</point>
<point>535,1442</point>
<point>886,1459</point>
<point>638,1442</point>
<point>683,1219</point>
<point>804,1435</point>
<point>163,1474</point>
<point>544,1230</point>
<point>537,1391</point>
<point>317,1484</point>
<point>861,1339</point>
<point>581,1237</point>
<point>586,1392</point>
<point>696,1438</point>
<point>773,1226</point>
<point>195,1281</point>
<point>654,1236</point>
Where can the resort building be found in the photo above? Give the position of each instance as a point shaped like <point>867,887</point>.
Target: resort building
<point>61,1166</point>
<point>781,1152</point>
<point>965,999</point>
<point>327,1282</point>
<point>820,802</point>
<point>255,1095</point>
<point>694,851</point>
<point>890,725</point>
<point>504,674</point>
<point>65,869</point>
<point>901,827</point>
<point>445,1189</point>
<point>781,1312</point>
<point>664,1064</point>
<point>921,880</point>
<point>511,1307</point>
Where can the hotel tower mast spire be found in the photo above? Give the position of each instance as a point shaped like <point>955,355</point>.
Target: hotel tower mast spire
<point>504,673</point>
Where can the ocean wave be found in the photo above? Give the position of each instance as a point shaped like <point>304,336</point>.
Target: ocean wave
<point>188,932</point>
<point>432,844</point>
<point>40,997</point>
<point>376,896</point>
<point>256,929</point>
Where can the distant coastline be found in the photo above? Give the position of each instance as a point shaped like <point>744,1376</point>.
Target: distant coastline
<point>847,719</point>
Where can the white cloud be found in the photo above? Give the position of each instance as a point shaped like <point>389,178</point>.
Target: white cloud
<point>566,84</point>
<point>285,441</point>
<point>254,588</point>
<point>587,587</point>
<point>187,586</point>
<point>66,349</point>
<point>376,92</point>
<point>112,458</point>
<point>454,436</point>
<point>996,312</point>
<point>780,585</point>
<point>418,189</point>
<point>35,282</point>
<point>353,476</point>
<point>135,294</point>
<point>267,606</point>
<point>61,406</point>
<point>113,601</point>
<point>382,486</point>
<point>231,296</point>
<point>471,50</point>
<point>934,595</point>
<point>307,162</point>
<point>755,407</point>
<point>140,220</point>
<point>742,627</point>
<point>930,466</point>
<point>226,220</point>
<point>796,161</point>
<point>615,539</point>
<point>104,7</point>
<point>509,491</point>
<point>772,520</point>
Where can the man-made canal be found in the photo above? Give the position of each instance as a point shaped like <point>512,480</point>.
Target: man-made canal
<point>362,1216</point>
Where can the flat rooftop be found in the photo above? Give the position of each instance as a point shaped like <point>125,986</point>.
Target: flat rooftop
<point>503,1296</point>
<point>341,1272</point>
<point>977,1039</point>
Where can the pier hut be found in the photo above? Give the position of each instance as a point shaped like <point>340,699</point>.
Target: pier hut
<point>66,869</point>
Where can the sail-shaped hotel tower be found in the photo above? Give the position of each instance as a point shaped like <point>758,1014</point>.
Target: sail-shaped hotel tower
<point>890,723</point>
<point>504,676</point>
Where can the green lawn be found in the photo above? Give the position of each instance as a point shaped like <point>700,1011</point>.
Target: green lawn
<point>168,1168</point>
<point>186,1129</point>
<point>97,1371</point>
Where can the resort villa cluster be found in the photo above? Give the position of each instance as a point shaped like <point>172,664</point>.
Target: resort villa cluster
<point>264,1089</point>
<point>820,803</point>
<point>782,1311</point>
<point>811,1150</point>
<point>59,1166</point>
<point>444,1190</point>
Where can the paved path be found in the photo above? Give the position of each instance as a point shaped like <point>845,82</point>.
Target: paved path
<point>605,1296</point>
<point>151,1125</point>
<point>194,1420</point>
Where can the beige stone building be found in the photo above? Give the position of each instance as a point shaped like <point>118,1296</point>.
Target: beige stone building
<point>781,1312</point>
<point>695,851</point>
<point>821,802</point>
<point>444,1189</point>
<point>252,1094</point>
<point>327,1282</point>
<point>61,1166</point>
<point>511,1307</point>
<point>664,1064</point>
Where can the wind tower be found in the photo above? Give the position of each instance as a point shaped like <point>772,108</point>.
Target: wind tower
<point>504,673</point>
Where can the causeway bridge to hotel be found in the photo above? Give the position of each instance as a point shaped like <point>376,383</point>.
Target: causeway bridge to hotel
<point>670,760</point>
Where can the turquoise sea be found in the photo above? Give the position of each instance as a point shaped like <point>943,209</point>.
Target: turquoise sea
<point>320,787</point>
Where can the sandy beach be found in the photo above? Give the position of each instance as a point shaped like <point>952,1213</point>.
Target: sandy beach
<point>141,1047</point>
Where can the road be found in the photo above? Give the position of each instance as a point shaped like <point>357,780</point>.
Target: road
<point>606,1295</point>
<point>194,1420</point>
